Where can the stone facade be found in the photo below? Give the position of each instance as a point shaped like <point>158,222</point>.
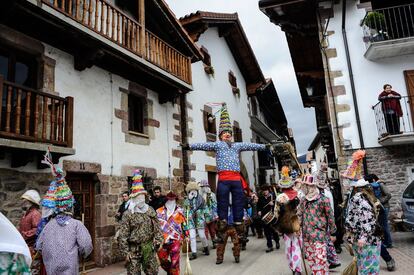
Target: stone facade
<point>390,165</point>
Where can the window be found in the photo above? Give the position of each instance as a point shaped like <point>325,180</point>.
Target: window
<point>210,125</point>
<point>254,106</point>
<point>18,67</point>
<point>207,57</point>
<point>237,134</point>
<point>232,79</point>
<point>135,113</point>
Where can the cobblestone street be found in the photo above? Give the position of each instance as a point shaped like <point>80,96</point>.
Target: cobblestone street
<point>255,261</point>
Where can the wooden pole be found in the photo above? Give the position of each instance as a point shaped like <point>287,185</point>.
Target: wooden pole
<point>141,11</point>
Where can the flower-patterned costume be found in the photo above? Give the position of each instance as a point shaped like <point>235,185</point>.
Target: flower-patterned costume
<point>173,231</point>
<point>360,221</point>
<point>316,216</point>
<point>196,213</point>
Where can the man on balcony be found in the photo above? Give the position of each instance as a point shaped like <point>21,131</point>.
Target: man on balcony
<point>391,108</point>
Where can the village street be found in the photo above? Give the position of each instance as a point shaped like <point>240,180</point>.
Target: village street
<point>255,261</point>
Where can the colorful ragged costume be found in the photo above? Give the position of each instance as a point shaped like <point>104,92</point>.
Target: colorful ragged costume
<point>140,235</point>
<point>64,239</point>
<point>210,214</point>
<point>195,207</point>
<point>228,169</point>
<point>172,220</point>
<point>316,217</point>
<point>288,223</point>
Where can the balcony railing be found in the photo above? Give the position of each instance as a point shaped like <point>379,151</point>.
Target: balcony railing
<point>113,24</point>
<point>30,115</point>
<point>389,23</point>
<point>390,122</point>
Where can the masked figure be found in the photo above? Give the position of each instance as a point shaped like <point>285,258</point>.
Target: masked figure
<point>172,222</point>
<point>140,235</point>
<point>195,208</point>
<point>211,209</point>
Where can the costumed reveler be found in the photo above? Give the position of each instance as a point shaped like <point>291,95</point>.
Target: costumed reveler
<point>172,220</point>
<point>15,256</point>
<point>63,239</point>
<point>232,233</point>
<point>210,214</point>
<point>140,235</point>
<point>195,208</point>
<point>316,216</point>
<point>288,222</point>
<point>361,219</point>
<point>323,184</point>
<point>228,169</point>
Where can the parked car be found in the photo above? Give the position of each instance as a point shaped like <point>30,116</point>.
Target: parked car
<point>407,204</point>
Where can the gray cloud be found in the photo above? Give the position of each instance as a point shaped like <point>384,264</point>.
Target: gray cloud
<point>270,46</point>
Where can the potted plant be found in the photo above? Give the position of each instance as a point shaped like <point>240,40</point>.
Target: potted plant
<point>375,21</point>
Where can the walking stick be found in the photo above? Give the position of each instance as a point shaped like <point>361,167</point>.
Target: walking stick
<point>82,260</point>
<point>188,270</point>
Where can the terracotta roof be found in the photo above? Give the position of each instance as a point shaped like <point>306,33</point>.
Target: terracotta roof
<point>231,29</point>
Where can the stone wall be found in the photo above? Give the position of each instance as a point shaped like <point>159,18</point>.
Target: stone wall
<point>390,165</point>
<point>13,184</point>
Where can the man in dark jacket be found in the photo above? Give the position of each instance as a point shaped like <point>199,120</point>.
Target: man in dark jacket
<point>157,200</point>
<point>265,205</point>
<point>123,207</point>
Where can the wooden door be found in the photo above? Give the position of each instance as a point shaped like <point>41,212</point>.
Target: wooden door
<point>82,187</point>
<point>409,80</point>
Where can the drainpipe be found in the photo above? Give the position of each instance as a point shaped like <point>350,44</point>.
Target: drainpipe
<point>351,78</point>
<point>184,136</point>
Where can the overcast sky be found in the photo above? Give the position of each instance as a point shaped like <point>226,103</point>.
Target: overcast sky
<point>269,44</point>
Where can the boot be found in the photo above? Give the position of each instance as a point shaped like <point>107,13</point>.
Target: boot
<point>205,251</point>
<point>221,231</point>
<point>237,259</point>
<point>240,228</point>
<point>277,245</point>
<point>220,253</point>
<point>193,256</point>
<point>391,265</point>
<point>214,245</point>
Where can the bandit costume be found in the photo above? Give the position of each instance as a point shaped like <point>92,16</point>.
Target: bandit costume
<point>64,239</point>
<point>288,223</point>
<point>361,219</point>
<point>211,210</point>
<point>232,233</point>
<point>172,222</point>
<point>140,235</point>
<point>316,216</point>
<point>228,169</point>
<point>195,206</point>
<point>323,185</point>
<point>15,257</point>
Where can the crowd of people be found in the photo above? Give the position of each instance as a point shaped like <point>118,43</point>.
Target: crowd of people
<point>312,214</point>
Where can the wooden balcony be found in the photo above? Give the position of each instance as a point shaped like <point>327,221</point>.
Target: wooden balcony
<point>113,24</point>
<point>32,116</point>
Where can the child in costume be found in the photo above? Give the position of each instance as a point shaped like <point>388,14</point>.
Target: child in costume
<point>195,206</point>
<point>140,235</point>
<point>288,223</point>
<point>172,220</point>
<point>316,217</point>
<point>228,169</point>
<point>323,185</point>
<point>64,238</point>
<point>211,210</point>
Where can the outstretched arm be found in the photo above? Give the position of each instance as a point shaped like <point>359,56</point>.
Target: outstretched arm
<point>246,146</point>
<point>203,146</point>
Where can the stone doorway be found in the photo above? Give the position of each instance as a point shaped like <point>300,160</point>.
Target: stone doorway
<point>83,189</point>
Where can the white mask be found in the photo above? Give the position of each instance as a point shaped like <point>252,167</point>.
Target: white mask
<point>138,204</point>
<point>46,212</point>
<point>140,201</point>
<point>193,194</point>
<point>170,205</point>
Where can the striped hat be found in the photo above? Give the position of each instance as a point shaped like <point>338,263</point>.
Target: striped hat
<point>137,187</point>
<point>49,199</point>
<point>309,179</point>
<point>225,124</point>
<point>64,196</point>
<point>285,181</point>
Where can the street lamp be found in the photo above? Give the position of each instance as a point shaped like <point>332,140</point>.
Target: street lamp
<point>309,90</point>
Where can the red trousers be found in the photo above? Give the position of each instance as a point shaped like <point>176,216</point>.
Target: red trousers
<point>169,256</point>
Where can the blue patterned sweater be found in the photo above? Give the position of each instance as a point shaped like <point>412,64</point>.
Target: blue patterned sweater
<point>227,157</point>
